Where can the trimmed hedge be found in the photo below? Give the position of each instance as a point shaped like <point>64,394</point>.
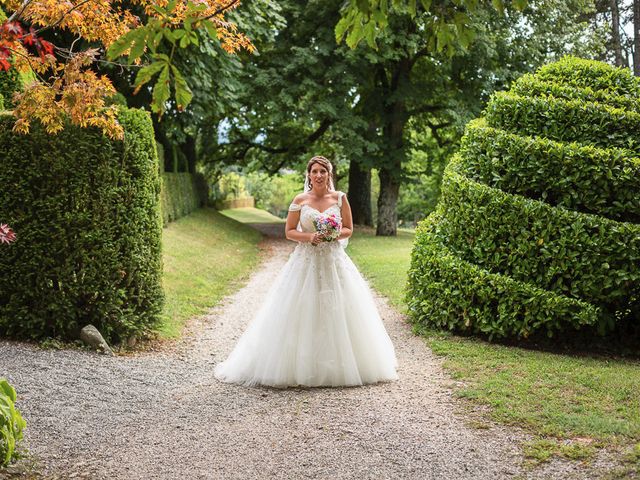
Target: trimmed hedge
<point>581,73</point>
<point>10,82</point>
<point>530,85</point>
<point>565,120</point>
<point>86,213</point>
<point>571,253</point>
<point>537,226</point>
<point>181,194</point>
<point>450,293</point>
<point>578,177</point>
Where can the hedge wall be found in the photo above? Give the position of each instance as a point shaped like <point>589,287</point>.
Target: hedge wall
<point>86,213</point>
<point>181,194</point>
<point>538,226</point>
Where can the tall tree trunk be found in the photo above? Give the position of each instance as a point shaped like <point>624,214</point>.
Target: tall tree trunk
<point>636,38</point>
<point>360,194</point>
<point>390,171</point>
<point>387,202</point>
<point>189,150</point>
<point>615,33</point>
<point>396,117</point>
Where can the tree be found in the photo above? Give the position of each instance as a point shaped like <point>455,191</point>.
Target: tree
<point>298,96</point>
<point>306,93</point>
<point>67,87</point>
<point>615,33</point>
<point>420,77</point>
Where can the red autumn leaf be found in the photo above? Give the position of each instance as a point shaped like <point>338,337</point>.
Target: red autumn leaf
<point>13,28</point>
<point>47,47</point>
<point>4,64</point>
<point>29,39</point>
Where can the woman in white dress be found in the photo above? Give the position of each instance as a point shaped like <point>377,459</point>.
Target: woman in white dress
<point>319,325</point>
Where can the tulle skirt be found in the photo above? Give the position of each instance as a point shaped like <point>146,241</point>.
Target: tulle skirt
<point>319,326</point>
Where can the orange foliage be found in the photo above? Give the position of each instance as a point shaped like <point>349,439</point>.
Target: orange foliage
<point>72,90</point>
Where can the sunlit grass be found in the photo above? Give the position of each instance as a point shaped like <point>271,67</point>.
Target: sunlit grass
<point>251,215</point>
<point>206,256</point>
<point>384,261</point>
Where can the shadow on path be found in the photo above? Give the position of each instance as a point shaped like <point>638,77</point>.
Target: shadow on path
<point>270,230</point>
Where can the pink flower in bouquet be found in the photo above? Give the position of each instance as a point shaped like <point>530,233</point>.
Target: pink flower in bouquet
<point>328,226</point>
<point>6,234</point>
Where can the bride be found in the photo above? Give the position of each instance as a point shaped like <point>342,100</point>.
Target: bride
<point>319,325</point>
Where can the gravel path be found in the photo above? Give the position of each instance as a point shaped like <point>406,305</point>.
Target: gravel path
<point>163,415</point>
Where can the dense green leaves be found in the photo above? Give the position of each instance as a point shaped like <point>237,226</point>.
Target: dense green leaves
<point>581,73</point>
<point>565,120</point>
<point>574,254</point>
<point>578,177</point>
<point>449,27</point>
<point>181,194</point>
<point>86,210</point>
<point>147,42</point>
<point>451,293</point>
<point>11,423</point>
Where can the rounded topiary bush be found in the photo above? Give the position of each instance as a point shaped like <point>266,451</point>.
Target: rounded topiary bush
<point>538,226</point>
<point>86,214</point>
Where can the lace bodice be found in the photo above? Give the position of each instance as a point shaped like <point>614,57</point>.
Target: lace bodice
<point>308,213</point>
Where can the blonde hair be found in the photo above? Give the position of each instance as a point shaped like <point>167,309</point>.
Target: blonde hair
<point>320,160</point>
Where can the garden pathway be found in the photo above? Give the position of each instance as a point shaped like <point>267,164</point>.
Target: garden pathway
<point>162,414</point>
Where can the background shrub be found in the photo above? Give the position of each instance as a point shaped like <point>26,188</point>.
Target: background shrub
<point>578,177</point>
<point>10,82</point>
<point>86,213</point>
<point>537,229</point>
<point>181,194</point>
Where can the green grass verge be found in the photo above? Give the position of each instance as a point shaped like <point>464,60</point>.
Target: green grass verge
<point>588,401</point>
<point>206,255</point>
<point>251,215</point>
<point>384,261</point>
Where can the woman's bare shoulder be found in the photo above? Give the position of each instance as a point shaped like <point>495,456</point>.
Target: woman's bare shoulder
<point>300,198</point>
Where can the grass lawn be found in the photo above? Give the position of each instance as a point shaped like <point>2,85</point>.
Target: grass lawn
<point>251,215</point>
<point>573,404</point>
<point>384,261</point>
<point>206,256</point>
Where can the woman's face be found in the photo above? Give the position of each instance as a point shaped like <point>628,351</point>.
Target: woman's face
<point>319,175</point>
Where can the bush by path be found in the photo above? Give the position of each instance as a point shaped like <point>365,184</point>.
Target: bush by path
<point>86,214</point>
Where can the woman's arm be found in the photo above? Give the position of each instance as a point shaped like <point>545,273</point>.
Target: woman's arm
<point>347,220</point>
<point>291,231</point>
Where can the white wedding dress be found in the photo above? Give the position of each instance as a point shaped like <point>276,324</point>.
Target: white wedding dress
<point>319,325</point>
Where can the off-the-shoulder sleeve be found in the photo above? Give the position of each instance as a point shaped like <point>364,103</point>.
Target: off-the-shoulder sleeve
<point>294,207</point>
<point>340,195</point>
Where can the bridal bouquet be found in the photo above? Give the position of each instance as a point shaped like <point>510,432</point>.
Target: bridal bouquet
<point>328,226</point>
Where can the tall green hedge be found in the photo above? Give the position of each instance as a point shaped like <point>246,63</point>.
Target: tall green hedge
<point>10,82</point>
<point>181,194</point>
<point>86,214</point>
<point>538,227</point>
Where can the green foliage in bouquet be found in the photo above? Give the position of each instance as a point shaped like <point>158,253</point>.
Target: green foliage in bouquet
<point>11,423</point>
<point>538,226</point>
<point>85,210</point>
